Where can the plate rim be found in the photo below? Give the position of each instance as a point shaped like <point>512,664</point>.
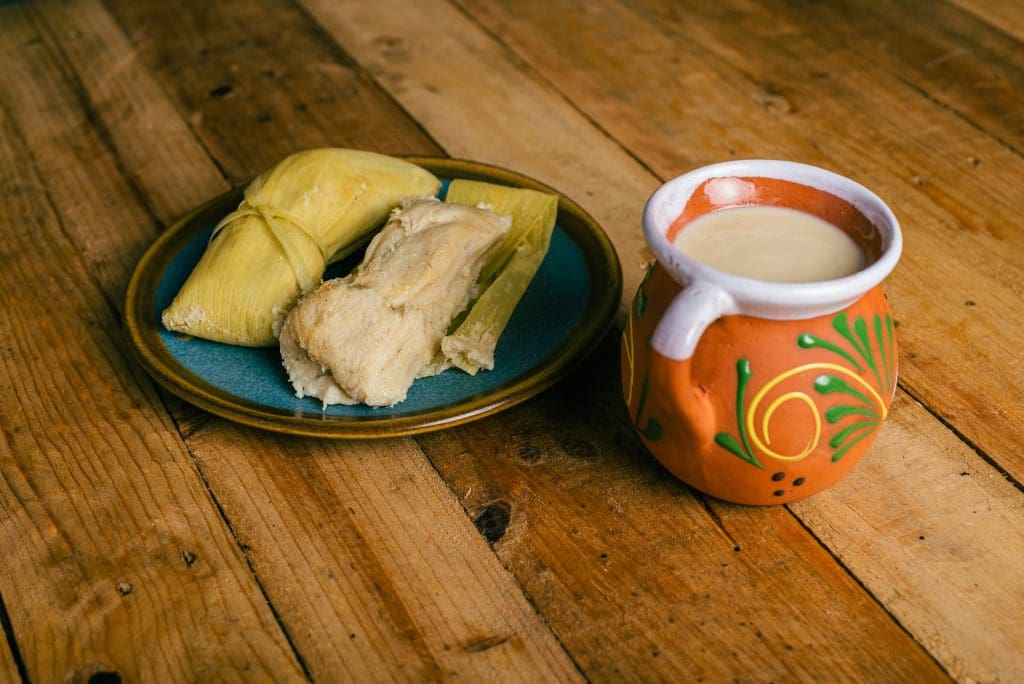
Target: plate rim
<point>599,256</point>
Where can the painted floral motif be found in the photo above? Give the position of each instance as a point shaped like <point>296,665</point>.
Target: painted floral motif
<point>860,417</point>
<point>652,429</point>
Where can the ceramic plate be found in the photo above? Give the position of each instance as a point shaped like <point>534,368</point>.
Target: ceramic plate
<point>566,310</point>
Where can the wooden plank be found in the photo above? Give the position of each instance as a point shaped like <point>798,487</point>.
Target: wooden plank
<point>110,538</point>
<point>959,352</point>
<point>370,580</point>
<point>37,97</point>
<point>372,563</point>
<point>1004,15</point>
<point>157,146</point>
<point>233,69</point>
<point>530,127</point>
<point>943,555</point>
<point>942,51</point>
<point>632,570</point>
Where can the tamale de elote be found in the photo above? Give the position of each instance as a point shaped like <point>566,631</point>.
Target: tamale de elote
<point>309,210</point>
<point>365,337</point>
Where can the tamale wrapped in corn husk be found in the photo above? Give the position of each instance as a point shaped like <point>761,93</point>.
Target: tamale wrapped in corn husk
<point>506,273</point>
<point>309,210</point>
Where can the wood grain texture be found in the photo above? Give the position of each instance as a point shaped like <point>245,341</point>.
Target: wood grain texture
<point>643,579</point>
<point>372,564</point>
<point>41,101</point>
<point>1003,15</point>
<point>99,504</point>
<point>529,126</point>
<point>258,81</point>
<point>942,52</point>
<point>154,141</point>
<point>955,508</point>
<point>959,316</point>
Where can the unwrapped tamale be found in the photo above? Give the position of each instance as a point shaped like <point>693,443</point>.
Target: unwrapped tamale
<point>309,210</point>
<point>366,337</point>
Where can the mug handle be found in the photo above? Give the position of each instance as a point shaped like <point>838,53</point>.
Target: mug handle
<point>697,306</point>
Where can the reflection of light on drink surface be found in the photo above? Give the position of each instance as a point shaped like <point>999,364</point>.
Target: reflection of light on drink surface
<point>769,243</point>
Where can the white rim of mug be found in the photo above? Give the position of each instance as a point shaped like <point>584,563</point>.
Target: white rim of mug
<point>765,298</point>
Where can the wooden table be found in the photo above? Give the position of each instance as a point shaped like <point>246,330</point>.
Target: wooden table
<point>144,540</point>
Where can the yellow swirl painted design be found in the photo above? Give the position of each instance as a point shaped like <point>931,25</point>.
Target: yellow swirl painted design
<point>762,445</point>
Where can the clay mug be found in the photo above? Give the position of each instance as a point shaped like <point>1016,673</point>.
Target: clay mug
<point>753,391</point>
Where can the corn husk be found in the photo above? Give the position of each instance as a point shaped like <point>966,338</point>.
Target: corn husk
<point>309,210</point>
<point>505,275</point>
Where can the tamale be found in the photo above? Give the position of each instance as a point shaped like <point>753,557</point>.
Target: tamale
<point>311,209</point>
<point>366,337</point>
<point>505,275</point>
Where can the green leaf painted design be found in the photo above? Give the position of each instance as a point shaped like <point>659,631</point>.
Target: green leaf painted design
<point>842,326</point>
<point>828,384</point>
<point>861,328</point>
<point>727,441</point>
<point>865,341</point>
<point>641,302</point>
<point>842,435</point>
<point>724,439</point>
<point>643,399</point>
<point>892,352</point>
<point>652,430</point>
<point>807,341</point>
<point>837,413</point>
<point>849,445</point>
<point>860,340</point>
<point>881,349</point>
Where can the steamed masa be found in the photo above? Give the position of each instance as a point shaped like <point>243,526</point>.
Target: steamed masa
<point>364,338</point>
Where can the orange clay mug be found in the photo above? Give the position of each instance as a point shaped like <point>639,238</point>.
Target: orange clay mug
<point>753,391</point>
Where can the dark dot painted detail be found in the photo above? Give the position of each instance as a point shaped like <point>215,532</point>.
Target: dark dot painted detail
<point>779,492</point>
<point>798,481</point>
<point>778,476</point>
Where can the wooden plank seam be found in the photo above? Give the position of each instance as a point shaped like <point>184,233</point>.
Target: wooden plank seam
<point>12,641</point>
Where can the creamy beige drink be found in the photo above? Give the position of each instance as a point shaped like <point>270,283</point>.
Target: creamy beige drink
<point>771,243</point>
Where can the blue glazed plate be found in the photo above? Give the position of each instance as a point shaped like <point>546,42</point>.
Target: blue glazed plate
<point>568,307</point>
